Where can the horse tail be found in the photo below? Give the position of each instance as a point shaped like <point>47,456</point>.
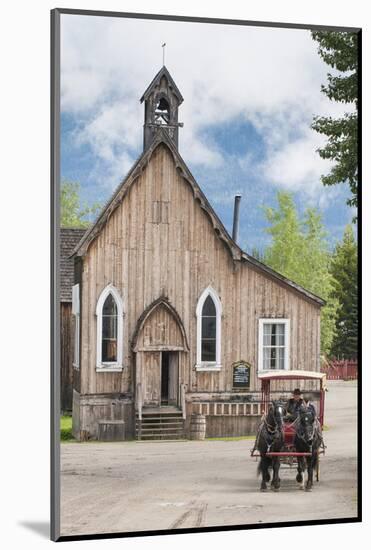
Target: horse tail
<point>259,469</point>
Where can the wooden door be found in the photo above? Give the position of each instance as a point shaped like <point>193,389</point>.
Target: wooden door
<point>151,378</point>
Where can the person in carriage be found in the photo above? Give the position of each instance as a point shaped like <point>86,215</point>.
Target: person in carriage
<point>294,405</point>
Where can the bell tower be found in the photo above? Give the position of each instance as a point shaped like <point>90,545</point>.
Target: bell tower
<point>161,101</point>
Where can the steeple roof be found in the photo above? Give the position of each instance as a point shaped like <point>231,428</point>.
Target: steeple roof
<point>157,79</point>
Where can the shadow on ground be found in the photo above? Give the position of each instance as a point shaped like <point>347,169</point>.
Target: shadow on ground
<point>41,528</point>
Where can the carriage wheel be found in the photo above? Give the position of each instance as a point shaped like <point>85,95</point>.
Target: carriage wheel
<point>317,469</point>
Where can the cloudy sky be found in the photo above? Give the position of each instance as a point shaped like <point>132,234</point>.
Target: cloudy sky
<point>250,95</point>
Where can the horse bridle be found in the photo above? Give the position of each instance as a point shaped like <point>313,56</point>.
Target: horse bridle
<point>301,433</point>
<point>273,429</point>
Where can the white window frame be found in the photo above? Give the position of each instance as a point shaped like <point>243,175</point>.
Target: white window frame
<point>276,321</point>
<point>209,365</point>
<point>76,314</point>
<point>110,366</point>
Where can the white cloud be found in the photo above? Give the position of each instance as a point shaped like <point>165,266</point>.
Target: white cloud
<point>268,76</point>
<point>199,150</point>
<point>109,128</point>
<point>296,165</point>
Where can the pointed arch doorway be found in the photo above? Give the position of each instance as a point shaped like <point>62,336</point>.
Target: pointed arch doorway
<point>160,346</point>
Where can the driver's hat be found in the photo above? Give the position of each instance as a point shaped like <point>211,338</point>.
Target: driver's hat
<point>297,391</point>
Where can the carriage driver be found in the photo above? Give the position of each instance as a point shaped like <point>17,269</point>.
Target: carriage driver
<point>293,405</point>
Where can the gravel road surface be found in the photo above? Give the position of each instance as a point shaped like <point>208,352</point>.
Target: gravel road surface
<point>137,486</point>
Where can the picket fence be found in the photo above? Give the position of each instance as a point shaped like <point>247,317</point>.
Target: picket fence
<point>341,369</point>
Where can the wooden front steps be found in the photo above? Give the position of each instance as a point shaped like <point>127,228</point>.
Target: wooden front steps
<point>165,423</point>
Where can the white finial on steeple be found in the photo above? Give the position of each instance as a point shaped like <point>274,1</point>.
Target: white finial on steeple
<point>163,53</point>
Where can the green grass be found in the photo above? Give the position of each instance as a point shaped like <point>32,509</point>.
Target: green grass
<point>66,433</point>
<point>66,428</point>
<point>237,438</point>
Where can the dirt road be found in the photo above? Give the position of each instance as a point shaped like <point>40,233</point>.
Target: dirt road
<point>137,486</point>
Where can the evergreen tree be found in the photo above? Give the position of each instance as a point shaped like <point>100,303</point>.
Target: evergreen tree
<point>73,214</point>
<point>340,51</point>
<point>299,251</point>
<point>344,267</point>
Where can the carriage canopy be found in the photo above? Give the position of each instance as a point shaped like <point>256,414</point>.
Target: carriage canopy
<point>267,377</point>
<point>293,375</point>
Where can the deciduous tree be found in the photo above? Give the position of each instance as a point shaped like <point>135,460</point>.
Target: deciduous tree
<point>73,214</point>
<point>299,251</point>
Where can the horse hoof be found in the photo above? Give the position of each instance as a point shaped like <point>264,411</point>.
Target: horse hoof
<point>308,489</point>
<point>263,489</point>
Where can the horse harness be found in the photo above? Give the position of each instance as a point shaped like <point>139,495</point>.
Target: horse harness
<point>271,429</point>
<point>316,432</point>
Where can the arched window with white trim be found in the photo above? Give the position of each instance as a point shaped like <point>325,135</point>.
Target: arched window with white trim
<point>209,313</point>
<point>109,330</point>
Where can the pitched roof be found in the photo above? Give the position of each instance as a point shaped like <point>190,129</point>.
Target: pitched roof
<point>236,252</point>
<point>138,167</point>
<point>287,282</point>
<point>162,72</point>
<point>69,238</point>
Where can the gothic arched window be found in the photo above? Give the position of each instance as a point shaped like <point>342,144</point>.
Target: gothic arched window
<point>109,330</point>
<point>208,330</point>
<point>209,312</point>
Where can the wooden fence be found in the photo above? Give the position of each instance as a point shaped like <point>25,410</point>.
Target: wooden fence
<point>344,369</point>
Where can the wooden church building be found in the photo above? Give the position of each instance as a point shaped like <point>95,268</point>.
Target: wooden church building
<point>172,318</point>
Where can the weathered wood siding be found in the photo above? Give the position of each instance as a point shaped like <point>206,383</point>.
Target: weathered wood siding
<point>159,241</point>
<point>160,331</point>
<point>67,350</point>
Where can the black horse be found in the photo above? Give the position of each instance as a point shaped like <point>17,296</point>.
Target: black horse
<point>270,439</point>
<point>308,439</point>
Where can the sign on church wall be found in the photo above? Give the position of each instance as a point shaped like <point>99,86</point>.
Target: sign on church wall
<point>241,375</point>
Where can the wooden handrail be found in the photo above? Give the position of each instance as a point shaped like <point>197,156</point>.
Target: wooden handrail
<point>183,400</point>
<point>139,400</point>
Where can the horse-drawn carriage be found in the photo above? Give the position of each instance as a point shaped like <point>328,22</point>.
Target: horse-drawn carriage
<point>295,442</point>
